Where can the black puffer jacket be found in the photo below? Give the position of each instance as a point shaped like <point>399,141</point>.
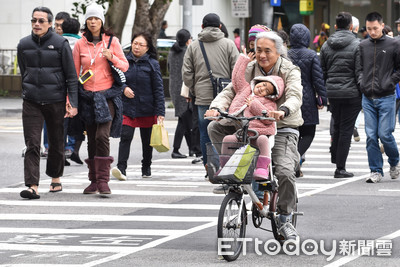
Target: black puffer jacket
<point>378,60</point>
<point>311,73</point>
<point>47,69</point>
<point>341,65</point>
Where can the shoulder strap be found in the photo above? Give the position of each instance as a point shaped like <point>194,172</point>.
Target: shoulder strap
<point>109,42</point>
<point>203,51</point>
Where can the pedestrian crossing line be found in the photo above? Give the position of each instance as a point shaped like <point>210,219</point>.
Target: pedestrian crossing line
<point>138,182</point>
<point>55,248</point>
<point>110,204</point>
<point>171,167</point>
<point>326,150</point>
<point>130,192</point>
<point>328,156</point>
<point>389,190</point>
<point>331,186</point>
<point>333,168</point>
<point>101,218</point>
<point>311,162</point>
<point>161,174</point>
<point>88,231</point>
<point>151,192</point>
<point>353,145</point>
<point>307,176</point>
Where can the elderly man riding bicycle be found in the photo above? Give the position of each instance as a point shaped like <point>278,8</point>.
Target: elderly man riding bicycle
<point>271,59</point>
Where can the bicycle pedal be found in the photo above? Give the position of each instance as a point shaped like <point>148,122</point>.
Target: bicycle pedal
<point>298,213</point>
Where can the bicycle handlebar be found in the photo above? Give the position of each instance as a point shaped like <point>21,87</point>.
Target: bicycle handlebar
<point>224,114</point>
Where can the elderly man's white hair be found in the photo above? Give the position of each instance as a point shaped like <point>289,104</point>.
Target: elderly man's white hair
<point>356,23</point>
<point>273,36</point>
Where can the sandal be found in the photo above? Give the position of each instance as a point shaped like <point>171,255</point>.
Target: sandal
<point>29,194</point>
<point>53,185</point>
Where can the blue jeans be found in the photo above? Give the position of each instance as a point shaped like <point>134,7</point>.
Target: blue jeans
<point>380,120</point>
<point>204,139</point>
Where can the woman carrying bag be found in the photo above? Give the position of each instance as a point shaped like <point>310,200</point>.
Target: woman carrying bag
<point>143,103</point>
<point>100,98</point>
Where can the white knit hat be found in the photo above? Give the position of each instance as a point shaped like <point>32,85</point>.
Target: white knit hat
<point>95,10</point>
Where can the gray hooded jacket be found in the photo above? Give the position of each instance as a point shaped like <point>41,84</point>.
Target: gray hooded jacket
<point>222,55</point>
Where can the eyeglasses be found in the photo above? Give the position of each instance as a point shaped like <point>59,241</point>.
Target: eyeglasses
<point>41,21</point>
<point>139,44</point>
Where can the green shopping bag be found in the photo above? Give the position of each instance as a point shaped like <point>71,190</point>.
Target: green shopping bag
<point>159,138</point>
<point>239,163</point>
<point>245,162</point>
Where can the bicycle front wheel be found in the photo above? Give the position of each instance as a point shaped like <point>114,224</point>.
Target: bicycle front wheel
<point>232,225</point>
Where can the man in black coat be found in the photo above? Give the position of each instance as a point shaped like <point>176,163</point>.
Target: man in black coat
<point>340,64</point>
<point>48,74</point>
<point>380,72</point>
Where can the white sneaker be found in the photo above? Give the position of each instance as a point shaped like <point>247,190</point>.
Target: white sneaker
<point>375,177</point>
<point>118,174</point>
<point>395,171</point>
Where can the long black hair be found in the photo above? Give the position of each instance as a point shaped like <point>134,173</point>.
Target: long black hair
<point>152,50</point>
<point>89,36</point>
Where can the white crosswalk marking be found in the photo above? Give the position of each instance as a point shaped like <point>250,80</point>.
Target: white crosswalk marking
<point>140,213</point>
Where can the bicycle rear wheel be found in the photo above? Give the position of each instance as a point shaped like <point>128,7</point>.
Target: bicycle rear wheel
<point>232,225</point>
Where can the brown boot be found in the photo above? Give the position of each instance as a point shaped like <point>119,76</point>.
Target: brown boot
<point>92,188</point>
<point>103,165</point>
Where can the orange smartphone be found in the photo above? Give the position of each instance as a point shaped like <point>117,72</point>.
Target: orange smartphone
<point>86,76</point>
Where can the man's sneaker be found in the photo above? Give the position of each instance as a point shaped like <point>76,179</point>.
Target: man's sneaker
<point>356,136</point>
<point>375,177</point>
<point>286,228</point>
<point>222,189</point>
<point>395,171</point>
<point>146,172</point>
<point>117,173</point>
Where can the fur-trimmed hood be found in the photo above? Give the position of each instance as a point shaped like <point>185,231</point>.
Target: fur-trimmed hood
<point>276,81</point>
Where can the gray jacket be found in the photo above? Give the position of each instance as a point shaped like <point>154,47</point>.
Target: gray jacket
<point>175,61</point>
<point>222,55</point>
<point>291,98</point>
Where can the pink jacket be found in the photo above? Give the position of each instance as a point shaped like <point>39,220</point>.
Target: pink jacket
<point>243,90</point>
<point>84,52</point>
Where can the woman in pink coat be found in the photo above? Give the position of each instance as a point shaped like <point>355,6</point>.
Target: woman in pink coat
<point>251,100</point>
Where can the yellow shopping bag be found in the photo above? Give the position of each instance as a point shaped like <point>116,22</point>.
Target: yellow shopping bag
<point>159,138</point>
<point>239,163</point>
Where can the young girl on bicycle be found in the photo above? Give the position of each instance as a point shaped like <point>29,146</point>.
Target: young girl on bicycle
<point>260,95</point>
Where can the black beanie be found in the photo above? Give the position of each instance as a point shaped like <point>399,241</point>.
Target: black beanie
<point>211,20</point>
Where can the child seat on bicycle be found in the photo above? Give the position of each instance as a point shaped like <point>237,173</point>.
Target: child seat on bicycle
<point>251,100</point>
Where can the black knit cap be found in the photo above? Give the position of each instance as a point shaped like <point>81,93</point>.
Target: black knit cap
<point>211,20</point>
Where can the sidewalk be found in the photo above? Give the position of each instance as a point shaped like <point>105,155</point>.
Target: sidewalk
<point>12,107</point>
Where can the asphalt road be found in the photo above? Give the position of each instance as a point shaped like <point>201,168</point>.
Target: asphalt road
<point>170,219</point>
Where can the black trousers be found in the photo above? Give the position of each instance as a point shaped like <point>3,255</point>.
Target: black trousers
<point>344,114</point>
<point>125,147</point>
<point>183,128</point>
<point>33,117</point>
<point>307,133</point>
<point>195,134</point>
